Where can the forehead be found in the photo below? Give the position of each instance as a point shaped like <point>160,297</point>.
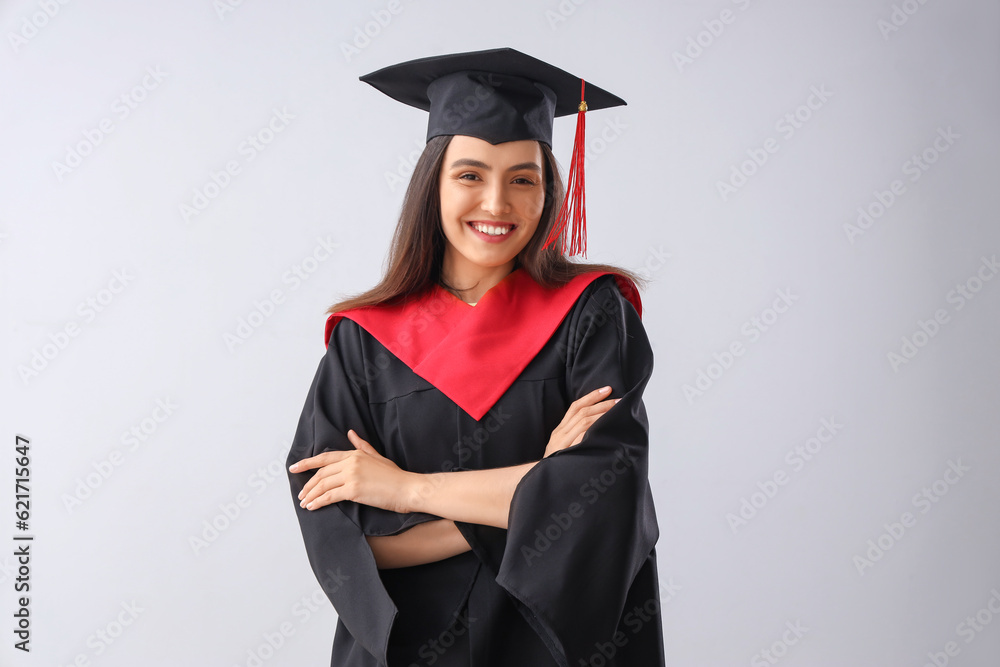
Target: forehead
<point>507,152</point>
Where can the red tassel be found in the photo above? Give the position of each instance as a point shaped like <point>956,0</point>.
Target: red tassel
<point>574,205</point>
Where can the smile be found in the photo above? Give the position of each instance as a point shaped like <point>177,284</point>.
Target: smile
<point>492,229</point>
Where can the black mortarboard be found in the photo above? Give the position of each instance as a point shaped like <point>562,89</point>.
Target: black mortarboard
<point>500,95</point>
<point>497,95</point>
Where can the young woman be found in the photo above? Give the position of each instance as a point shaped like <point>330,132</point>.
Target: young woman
<point>469,470</point>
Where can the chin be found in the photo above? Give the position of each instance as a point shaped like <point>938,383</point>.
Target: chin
<point>490,262</point>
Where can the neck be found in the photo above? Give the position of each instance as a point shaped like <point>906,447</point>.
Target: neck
<point>472,281</point>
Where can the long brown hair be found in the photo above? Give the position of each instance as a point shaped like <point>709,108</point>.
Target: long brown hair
<point>417,249</point>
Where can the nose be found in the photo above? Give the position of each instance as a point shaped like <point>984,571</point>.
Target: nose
<point>495,199</point>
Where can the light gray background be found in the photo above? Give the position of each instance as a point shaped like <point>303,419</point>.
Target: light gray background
<point>653,205</point>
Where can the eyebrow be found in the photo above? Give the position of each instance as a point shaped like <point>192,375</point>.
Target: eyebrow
<point>468,162</point>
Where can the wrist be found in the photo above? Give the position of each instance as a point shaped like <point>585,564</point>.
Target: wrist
<point>416,491</point>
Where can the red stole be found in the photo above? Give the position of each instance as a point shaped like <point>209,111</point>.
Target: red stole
<point>472,354</point>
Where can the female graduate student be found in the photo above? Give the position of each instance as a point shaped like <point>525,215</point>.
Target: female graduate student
<point>470,468</point>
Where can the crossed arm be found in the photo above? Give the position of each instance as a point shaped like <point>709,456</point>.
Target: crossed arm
<point>473,496</point>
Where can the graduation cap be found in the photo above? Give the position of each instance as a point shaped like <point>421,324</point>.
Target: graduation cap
<point>502,95</point>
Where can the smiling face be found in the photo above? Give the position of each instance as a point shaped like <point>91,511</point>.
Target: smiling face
<point>492,197</point>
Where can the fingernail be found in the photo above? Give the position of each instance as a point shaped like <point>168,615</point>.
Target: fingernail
<point>293,466</point>
<point>617,399</point>
<point>300,494</point>
<point>605,390</point>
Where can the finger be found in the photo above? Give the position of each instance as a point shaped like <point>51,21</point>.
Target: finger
<point>598,408</point>
<point>319,476</point>
<point>591,397</point>
<point>328,471</point>
<point>327,498</point>
<point>587,416</point>
<point>317,461</point>
<point>584,424</point>
<point>355,439</point>
<point>361,443</point>
<point>322,488</point>
<point>578,407</point>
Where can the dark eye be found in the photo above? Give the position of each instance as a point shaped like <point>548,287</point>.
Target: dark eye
<point>468,176</point>
<point>523,180</point>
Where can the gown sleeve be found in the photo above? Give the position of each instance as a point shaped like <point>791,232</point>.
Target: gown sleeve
<point>582,521</point>
<point>334,535</point>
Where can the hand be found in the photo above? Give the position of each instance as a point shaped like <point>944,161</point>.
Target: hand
<point>582,412</point>
<point>362,475</point>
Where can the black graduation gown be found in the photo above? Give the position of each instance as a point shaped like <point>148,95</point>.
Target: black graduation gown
<point>573,579</point>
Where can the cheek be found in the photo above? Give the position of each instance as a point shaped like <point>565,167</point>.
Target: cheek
<point>532,206</point>
<point>455,202</point>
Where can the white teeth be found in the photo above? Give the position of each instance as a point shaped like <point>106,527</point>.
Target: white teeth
<point>492,231</point>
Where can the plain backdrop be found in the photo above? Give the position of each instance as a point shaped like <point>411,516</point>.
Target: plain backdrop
<point>810,187</point>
